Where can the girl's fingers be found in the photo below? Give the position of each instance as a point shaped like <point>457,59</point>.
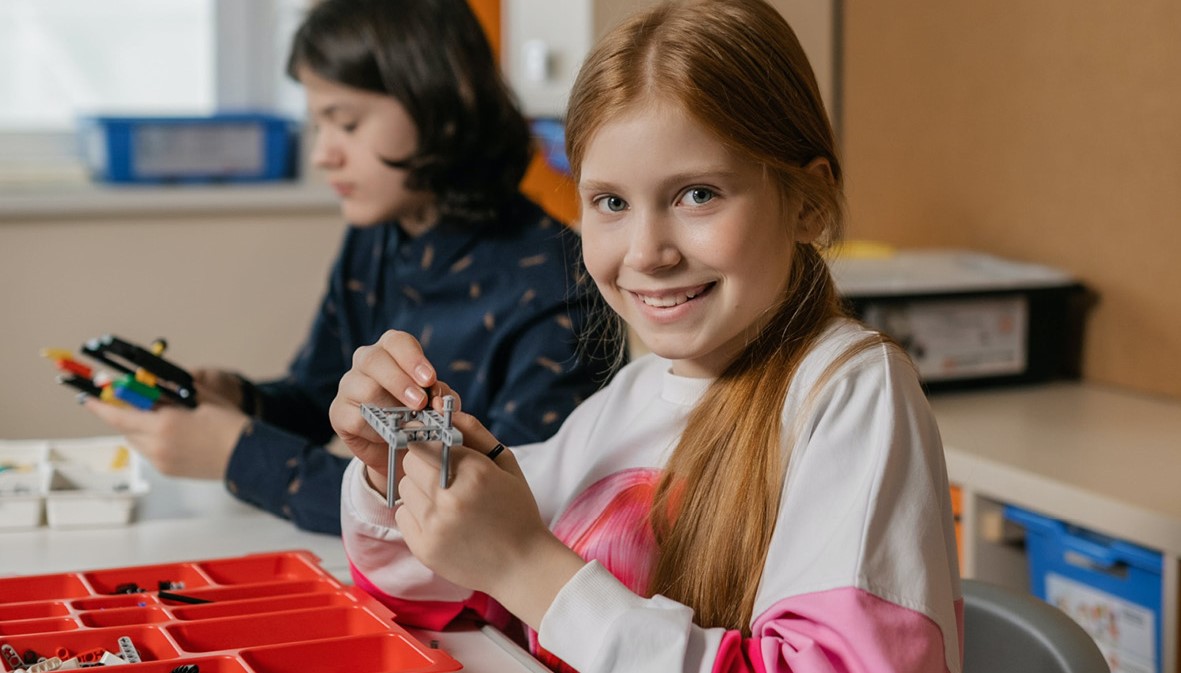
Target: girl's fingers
<point>438,392</point>
<point>507,461</point>
<point>125,420</point>
<point>218,383</point>
<point>346,419</point>
<point>408,525</point>
<point>408,353</point>
<point>389,377</point>
<point>423,464</point>
<point>409,522</point>
<point>413,499</point>
<point>475,435</point>
<point>408,370</point>
<point>359,387</point>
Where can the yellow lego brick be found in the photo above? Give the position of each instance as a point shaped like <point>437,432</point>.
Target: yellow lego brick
<point>56,354</point>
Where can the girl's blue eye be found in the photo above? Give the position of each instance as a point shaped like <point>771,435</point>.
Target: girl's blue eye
<point>698,196</point>
<point>612,204</point>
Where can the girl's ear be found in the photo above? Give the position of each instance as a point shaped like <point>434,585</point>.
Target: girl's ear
<point>809,224</point>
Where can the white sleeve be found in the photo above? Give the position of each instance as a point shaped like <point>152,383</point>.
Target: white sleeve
<point>597,625</point>
<point>377,553</point>
<point>860,517</point>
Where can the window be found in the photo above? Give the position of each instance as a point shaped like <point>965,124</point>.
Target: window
<point>65,58</point>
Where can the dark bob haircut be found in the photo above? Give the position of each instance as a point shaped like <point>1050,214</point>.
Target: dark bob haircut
<point>433,58</point>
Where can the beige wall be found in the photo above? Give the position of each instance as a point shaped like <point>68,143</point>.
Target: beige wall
<point>1044,131</point>
<point>233,290</point>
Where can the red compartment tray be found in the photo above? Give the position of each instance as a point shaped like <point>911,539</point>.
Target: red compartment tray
<point>266,613</point>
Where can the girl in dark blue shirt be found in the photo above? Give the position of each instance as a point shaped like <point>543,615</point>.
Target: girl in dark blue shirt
<point>418,134</point>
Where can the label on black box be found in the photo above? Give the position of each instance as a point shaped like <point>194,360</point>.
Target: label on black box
<point>958,339</point>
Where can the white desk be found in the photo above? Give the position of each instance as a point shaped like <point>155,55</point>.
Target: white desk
<point>178,520</point>
<point>1103,459</point>
<point>184,520</point>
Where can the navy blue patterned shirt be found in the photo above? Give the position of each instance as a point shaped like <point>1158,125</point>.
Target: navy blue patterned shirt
<point>498,312</point>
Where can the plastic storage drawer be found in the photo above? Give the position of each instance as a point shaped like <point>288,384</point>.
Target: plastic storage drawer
<point>217,148</point>
<point>1111,587</point>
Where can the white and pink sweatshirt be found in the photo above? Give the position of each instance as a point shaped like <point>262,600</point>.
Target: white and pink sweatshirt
<point>861,576</point>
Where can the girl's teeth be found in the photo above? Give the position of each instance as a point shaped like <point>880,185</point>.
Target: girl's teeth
<point>666,302</point>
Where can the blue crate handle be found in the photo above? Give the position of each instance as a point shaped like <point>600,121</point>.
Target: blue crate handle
<point>1103,557</point>
<point>1106,553</point>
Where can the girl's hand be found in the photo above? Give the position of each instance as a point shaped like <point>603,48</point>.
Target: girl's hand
<point>393,372</point>
<point>218,386</point>
<point>176,440</point>
<point>484,531</point>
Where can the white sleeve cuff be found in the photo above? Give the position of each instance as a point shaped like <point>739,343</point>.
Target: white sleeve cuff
<point>363,501</point>
<point>595,623</point>
<point>580,617</point>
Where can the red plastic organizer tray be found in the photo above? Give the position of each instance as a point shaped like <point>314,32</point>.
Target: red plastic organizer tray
<point>267,613</point>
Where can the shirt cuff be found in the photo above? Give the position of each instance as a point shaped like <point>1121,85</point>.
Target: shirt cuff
<point>262,466</point>
<point>579,619</point>
<point>367,504</point>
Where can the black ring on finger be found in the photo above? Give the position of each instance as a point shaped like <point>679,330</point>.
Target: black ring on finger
<point>496,451</point>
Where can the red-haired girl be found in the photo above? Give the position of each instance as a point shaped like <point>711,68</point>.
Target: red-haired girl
<point>766,490</point>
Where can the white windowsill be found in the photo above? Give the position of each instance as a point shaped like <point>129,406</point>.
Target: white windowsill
<point>43,200</point>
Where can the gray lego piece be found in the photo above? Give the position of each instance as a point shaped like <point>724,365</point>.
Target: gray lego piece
<point>128,651</point>
<point>432,426</point>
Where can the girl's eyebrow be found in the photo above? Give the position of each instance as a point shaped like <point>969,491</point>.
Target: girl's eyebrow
<point>333,110</point>
<point>596,186</point>
<point>705,174</point>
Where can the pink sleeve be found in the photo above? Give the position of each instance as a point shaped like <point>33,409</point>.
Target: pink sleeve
<point>842,630</point>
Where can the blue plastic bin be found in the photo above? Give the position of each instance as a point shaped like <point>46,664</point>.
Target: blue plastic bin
<point>1111,587</point>
<point>228,147</point>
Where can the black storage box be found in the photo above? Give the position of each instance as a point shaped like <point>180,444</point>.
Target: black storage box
<point>969,319</point>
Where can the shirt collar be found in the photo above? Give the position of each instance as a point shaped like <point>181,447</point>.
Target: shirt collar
<point>682,390</point>
<point>438,248</point>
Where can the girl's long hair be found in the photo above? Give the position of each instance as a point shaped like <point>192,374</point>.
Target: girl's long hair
<point>737,68</point>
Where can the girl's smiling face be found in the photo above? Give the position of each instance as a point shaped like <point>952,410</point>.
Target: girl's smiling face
<point>689,242</point>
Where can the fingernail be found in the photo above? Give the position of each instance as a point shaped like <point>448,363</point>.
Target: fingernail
<point>413,396</point>
<point>424,374</point>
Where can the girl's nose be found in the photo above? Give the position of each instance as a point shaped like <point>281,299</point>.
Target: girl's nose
<point>325,152</point>
<point>652,246</point>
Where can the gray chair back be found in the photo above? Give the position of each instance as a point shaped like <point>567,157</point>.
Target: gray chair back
<point>1007,631</point>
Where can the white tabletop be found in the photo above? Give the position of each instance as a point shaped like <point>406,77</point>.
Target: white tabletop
<point>1105,458</point>
<point>177,520</point>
